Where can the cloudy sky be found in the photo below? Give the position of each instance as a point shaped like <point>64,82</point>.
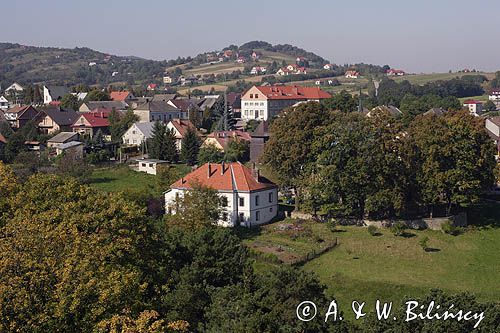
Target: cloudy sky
<point>418,36</point>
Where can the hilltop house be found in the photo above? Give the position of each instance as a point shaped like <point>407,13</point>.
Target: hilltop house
<point>292,69</point>
<point>494,95</point>
<point>121,96</point>
<point>258,70</point>
<point>265,102</point>
<point>89,123</point>
<point>54,93</point>
<point>180,128</point>
<point>157,111</point>
<point>19,115</point>
<point>395,72</point>
<point>475,107</point>
<point>352,75</point>
<point>138,133</point>
<point>328,67</point>
<point>55,119</point>
<point>249,199</point>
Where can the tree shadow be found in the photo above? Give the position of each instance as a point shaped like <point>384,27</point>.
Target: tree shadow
<point>101,180</point>
<point>377,234</point>
<point>431,249</point>
<point>408,235</point>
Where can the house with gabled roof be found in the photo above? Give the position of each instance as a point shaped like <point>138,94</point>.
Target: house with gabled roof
<point>221,139</point>
<point>121,96</point>
<point>248,198</point>
<point>138,133</point>
<point>151,111</point>
<point>180,128</point>
<point>266,102</point>
<point>61,138</point>
<point>54,93</point>
<point>14,88</point>
<point>89,123</point>
<point>92,105</point>
<point>55,119</point>
<point>19,115</point>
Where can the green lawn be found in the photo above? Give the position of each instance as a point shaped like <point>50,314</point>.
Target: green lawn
<point>123,178</point>
<point>386,267</point>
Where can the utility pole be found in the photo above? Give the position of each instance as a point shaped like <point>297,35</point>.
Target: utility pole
<point>226,125</point>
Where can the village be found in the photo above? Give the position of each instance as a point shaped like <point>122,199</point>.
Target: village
<point>353,173</point>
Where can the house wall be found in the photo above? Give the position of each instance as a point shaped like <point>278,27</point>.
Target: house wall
<point>254,105</point>
<point>133,136</point>
<point>235,213</point>
<point>212,142</point>
<point>48,125</point>
<point>148,167</point>
<point>76,152</point>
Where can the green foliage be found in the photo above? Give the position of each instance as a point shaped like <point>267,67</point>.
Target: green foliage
<point>489,106</point>
<point>118,125</point>
<point>162,143</point>
<point>237,150</point>
<point>70,101</point>
<point>97,95</point>
<point>412,106</point>
<point>424,243</point>
<point>450,229</point>
<point>210,154</point>
<point>372,230</point>
<point>342,101</point>
<point>197,208</point>
<point>398,228</point>
<point>190,147</point>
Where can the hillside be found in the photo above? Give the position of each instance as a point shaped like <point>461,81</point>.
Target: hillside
<point>34,65</point>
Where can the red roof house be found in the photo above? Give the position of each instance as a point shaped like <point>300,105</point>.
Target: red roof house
<point>121,96</point>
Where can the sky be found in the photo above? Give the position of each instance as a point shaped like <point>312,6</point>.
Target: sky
<point>417,36</point>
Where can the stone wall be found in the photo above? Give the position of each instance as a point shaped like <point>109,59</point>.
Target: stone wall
<point>459,220</point>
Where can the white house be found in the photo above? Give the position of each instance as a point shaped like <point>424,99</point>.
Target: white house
<point>265,102</point>
<point>351,75</point>
<point>494,95</point>
<point>328,67</point>
<point>54,93</point>
<point>258,70</point>
<point>138,133</point>
<point>14,88</point>
<point>475,107</point>
<point>4,103</point>
<point>250,198</point>
<point>180,127</point>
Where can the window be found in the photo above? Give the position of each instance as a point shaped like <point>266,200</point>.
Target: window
<point>251,95</point>
<point>271,197</point>
<point>256,200</point>
<point>262,113</point>
<point>242,202</point>
<point>223,201</point>
<point>257,216</point>
<point>261,103</point>
<point>256,95</point>
<point>150,165</point>
<point>246,103</point>
<point>133,132</point>
<point>144,164</point>
<point>242,217</point>
<point>271,210</point>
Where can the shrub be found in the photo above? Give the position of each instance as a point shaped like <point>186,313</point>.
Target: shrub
<point>450,229</point>
<point>398,229</point>
<point>424,242</point>
<point>372,230</point>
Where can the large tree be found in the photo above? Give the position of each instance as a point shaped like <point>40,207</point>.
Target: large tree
<point>162,143</point>
<point>70,101</point>
<point>190,147</point>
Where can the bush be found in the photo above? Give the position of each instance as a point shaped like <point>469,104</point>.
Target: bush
<point>424,242</point>
<point>450,229</point>
<point>372,230</point>
<point>398,229</point>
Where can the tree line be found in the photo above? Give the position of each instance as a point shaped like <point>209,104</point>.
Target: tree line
<point>350,165</point>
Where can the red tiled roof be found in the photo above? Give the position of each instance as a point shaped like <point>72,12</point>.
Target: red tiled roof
<point>293,92</point>
<point>224,137</point>
<point>96,118</point>
<point>221,178</point>
<point>472,101</point>
<point>120,96</point>
<point>182,126</point>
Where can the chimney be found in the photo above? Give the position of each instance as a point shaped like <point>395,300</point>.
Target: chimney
<point>222,168</point>
<point>256,174</point>
<point>182,180</point>
<point>209,170</point>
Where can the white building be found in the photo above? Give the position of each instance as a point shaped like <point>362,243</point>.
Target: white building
<point>494,95</point>
<point>149,166</point>
<point>14,88</point>
<point>4,103</point>
<point>475,107</point>
<point>251,199</point>
<point>265,102</point>
<point>138,133</point>
<point>54,93</point>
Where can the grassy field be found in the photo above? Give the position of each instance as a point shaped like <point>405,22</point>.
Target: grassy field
<point>386,267</point>
<point>123,178</point>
